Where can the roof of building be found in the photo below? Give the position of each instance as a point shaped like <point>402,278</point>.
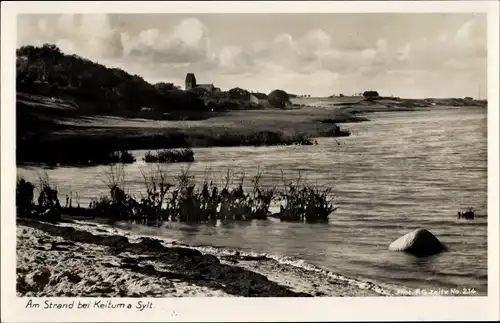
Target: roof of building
<point>190,78</point>
<point>260,96</point>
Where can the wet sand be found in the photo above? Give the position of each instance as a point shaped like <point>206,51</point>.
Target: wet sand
<point>80,260</point>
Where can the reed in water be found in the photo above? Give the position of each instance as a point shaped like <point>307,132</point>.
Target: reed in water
<point>180,199</point>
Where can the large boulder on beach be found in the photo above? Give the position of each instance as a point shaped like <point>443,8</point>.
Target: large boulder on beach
<point>419,242</point>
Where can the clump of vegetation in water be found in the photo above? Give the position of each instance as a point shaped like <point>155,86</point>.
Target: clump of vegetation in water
<point>24,197</point>
<point>181,199</point>
<point>467,214</point>
<point>48,203</point>
<point>47,207</point>
<point>151,205</point>
<point>206,203</point>
<point>170,156</point>
<point>118,205</point>
<point>122,156</point>
<point>238,205</point>
<point>189,203</point>
<point>305,203</point>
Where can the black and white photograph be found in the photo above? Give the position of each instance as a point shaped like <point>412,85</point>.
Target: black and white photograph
<point>260,154</point>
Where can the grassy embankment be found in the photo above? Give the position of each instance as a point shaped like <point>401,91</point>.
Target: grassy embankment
<point>64,139</point>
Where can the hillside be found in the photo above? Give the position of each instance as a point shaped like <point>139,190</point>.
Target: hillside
<point>46,71</point>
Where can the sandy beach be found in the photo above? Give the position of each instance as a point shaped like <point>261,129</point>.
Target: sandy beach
<point>78,259</point>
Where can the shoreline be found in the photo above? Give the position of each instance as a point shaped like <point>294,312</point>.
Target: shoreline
<point>244,128</point>
<point>50,258</point>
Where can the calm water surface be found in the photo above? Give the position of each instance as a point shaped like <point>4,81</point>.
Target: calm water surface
<point>397,172</point>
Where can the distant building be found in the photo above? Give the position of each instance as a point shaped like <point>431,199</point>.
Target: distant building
<point>370,95</point>
<point>258,98</point>
<point>207,87</point>
<point>190,81</point>
<point>191,84</point>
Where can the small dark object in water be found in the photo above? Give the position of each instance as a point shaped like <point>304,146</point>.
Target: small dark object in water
<point>468,214</point>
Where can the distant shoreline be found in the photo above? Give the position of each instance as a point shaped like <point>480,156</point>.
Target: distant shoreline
<point>47,131</point>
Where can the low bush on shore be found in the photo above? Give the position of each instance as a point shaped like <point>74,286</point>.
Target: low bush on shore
<point>180,199</point>
<point>170,156</point>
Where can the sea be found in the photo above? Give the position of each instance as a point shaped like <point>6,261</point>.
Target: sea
<point>397,172</point>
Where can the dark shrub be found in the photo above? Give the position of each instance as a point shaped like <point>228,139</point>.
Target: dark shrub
<point>48,208</point>
<point>278,99</point>
<point>370,95</point>
<point>122,156</point>
<point>24,197</point>
<point>151,206</point>
<point>335,131</point>
<point>119,205</point>
<point>189,203</point>
<point>239,94</point>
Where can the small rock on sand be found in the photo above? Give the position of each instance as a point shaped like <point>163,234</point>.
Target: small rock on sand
<point>419,242</point>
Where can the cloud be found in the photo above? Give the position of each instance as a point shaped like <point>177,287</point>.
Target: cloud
<point>465,32</point>
<point>234,60</point>
<point>314,51</point>
<point>89,35</point>
<point>187,42</point>
<point>319,60</point>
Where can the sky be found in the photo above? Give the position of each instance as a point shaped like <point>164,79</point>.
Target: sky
<point>410,55</point>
